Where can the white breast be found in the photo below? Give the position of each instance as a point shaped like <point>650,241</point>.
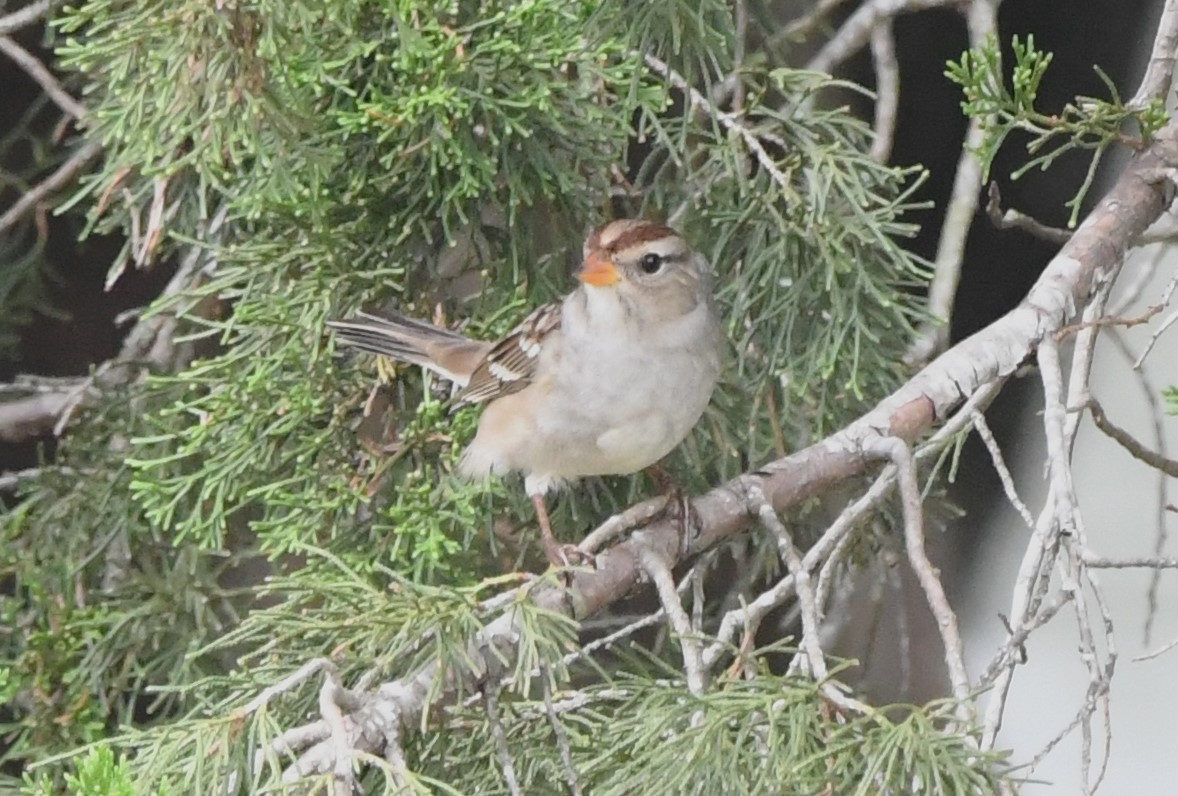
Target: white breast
<point>633,402</point>
<point>600,404</point>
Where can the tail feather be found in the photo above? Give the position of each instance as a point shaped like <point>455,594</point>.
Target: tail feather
<point>412,341</point>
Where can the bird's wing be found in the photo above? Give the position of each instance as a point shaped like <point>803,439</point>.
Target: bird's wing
<point>511,363</point>
<point>408,340</point>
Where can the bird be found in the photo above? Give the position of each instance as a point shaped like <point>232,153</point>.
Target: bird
<point>607,381</point>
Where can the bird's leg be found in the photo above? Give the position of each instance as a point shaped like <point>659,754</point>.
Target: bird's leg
<point>547,538</point>
<point>558,555</point>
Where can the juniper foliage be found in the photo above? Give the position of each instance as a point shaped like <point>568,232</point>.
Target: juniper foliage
<point>258,499</point>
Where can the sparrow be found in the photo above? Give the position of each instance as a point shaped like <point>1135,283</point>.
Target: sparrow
<point>607,381</point>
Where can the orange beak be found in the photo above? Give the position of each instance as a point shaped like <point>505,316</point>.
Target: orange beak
<point>598,271</point>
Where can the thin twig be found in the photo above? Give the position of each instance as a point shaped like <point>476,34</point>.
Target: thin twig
<point>1013,219</point>
<point>901,457</point>
<point>23,17</point>
<point>1162,327</point>
<point>1145,562</point>
<point>1054,424</point>
<point>491,706</point>
<point>1141,277</point>
<point>1011,652</point>
<point>633,517</point>
<point>806,23</point>
<point>1155,83</point>
<point>1059,430</point>
<point>1107,322</point>
<point>562,738</point>
<point>811,648</point>
<point>728,121</point>
<point>887,91</point>
<point>982,22</point>
<point>999,462</point>
<point>770,599</point>
<point>812,655</point>
<point>1100,676</point>
<point>1155,413</point>
<point>43,77</point>
<point>660,574</point>
<point>1129,443</point>
<point>855,32</point>
<point>836,536</point>
<point>148,344</point>
<point>1082,358</point>
<point>287,684</point>
<point>1038,556</point>
<point>64,175</point>
<point>1156,653</point>
<point>605,642</point>
<point>827,575</point>
<point>1166,323</point>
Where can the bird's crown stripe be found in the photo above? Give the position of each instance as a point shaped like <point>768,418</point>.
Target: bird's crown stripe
<point>641,234</point>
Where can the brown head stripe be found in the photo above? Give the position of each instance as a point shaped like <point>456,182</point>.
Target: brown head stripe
<point>640,233</point>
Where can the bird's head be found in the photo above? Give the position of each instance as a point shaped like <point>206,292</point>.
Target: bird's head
<point>638,258</point>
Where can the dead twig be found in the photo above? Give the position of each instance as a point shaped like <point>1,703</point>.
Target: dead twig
<point>499,737</point>
<point>1155,83</point>
<point>887,91</point>
<point>42,76</point>
<point>1127,441</point>
<point>982,22</point>
<point>898,452</point>
<point>65,174</point>
<point>562,737</point>
<point>24,17</point>
<point>689,637</point>
<point>1013,219</point>
<point>1107,321</point>
<point>855,32</point>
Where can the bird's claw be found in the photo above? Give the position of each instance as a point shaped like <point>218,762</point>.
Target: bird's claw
<point>565,555</point>
<point>681,508</point>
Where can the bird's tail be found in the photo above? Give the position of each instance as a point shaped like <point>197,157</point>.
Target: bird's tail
<point>412,341</point>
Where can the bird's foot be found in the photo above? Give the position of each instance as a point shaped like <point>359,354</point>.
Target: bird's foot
<point>564,555</point>
<point>679,506</point>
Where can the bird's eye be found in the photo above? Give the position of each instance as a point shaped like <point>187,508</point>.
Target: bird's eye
<point>651,263</point>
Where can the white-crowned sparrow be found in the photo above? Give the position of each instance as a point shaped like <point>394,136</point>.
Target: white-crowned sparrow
<point>605,382</point>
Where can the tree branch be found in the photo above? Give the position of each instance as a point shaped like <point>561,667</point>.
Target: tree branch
<point>24,17</point>
<point>729,121</point>
<point>853,34</point>
<point>66,173</point>
<point>44,78</point>
<point>147,345</point>
<point>982,22</point>
<point>1092,255</point>
<point>1160,71</point>
<point>887,91</point>
<point>1126,441</point>
<point>1013,219</point>
<point>31,417</point>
